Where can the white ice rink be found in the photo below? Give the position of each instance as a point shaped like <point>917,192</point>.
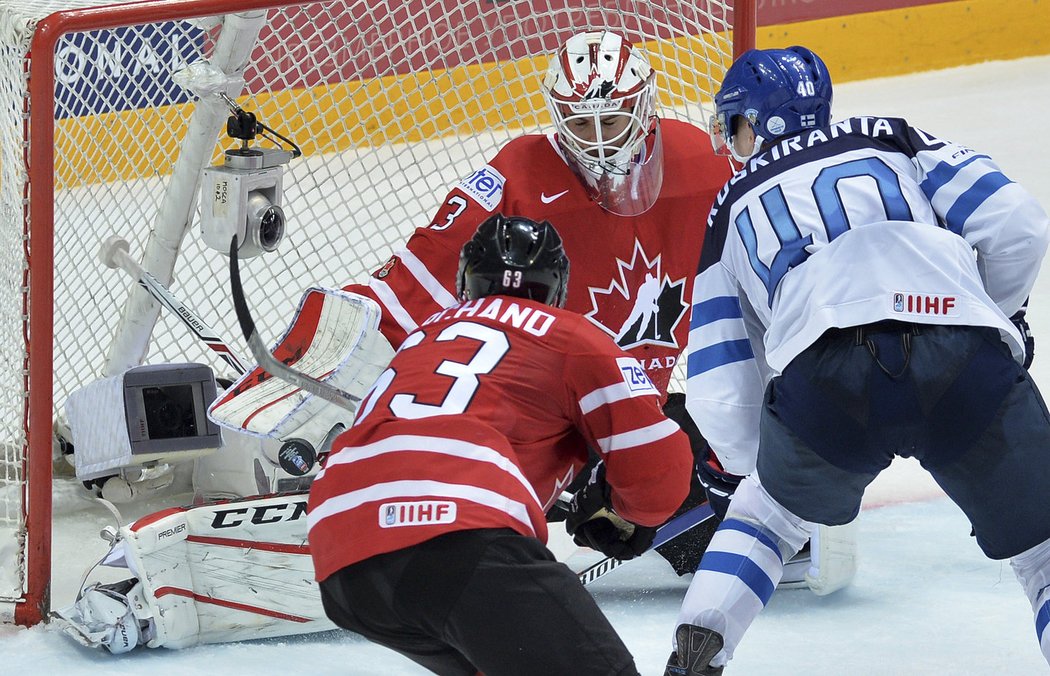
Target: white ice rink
<point>925,601</point>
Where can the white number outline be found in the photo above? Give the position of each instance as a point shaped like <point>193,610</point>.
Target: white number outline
<point>494,346</point>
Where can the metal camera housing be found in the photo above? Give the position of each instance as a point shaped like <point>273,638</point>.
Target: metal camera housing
<point>243,197</point>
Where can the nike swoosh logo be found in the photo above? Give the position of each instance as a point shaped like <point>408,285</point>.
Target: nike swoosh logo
<point>548,200</point>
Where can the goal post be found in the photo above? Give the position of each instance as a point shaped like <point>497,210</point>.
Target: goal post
<point>391,103</point>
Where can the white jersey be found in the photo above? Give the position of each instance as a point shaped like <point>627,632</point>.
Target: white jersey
<point>865,220</point>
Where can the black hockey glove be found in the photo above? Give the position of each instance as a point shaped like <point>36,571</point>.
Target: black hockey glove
<point>674,408</point>
<point>591,522</point>
<point>1026,334</point>
<point>718,484</point>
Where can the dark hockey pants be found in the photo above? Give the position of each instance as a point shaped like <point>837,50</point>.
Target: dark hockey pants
<point>950,396</point>
<point>491,601</point>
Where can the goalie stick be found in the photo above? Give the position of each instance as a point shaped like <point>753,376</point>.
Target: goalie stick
<point>114,254</point>
<point>266,360</point>
<point>678,525</point>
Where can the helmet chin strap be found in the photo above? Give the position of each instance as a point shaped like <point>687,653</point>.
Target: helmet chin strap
<point>755,149</point>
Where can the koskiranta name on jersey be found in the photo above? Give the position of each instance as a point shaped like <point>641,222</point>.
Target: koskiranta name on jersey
<point>865,220</point>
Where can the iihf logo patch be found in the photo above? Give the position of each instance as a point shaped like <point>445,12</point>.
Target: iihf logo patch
<point>417,513</point>
<point>898,302</point>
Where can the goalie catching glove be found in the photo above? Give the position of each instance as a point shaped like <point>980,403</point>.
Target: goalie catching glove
<point>592,523</point>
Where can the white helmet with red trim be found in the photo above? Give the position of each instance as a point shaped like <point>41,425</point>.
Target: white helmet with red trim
<point>601,94</point>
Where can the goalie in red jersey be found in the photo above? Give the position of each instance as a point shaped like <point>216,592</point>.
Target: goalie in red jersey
<point>427,524</point>
<point>630,192</point>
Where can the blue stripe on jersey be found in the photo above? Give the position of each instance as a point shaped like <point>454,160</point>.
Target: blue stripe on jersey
<point>741,567</point>
<point>943,174</point>
<point>708,311</point>
<point>755,532</point>
<point>973,198</point>
<point>719,354</point>
<point>1042,618</point>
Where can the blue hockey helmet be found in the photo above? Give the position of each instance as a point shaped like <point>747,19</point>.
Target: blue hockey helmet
<point>778,91</point>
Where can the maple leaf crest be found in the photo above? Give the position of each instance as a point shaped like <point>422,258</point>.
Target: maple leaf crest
<point>642,305</point>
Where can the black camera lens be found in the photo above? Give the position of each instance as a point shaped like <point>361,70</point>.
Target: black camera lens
<point>271,228</point>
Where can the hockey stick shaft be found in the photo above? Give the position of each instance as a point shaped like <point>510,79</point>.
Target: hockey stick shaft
<point>266,360</point>
<point>114,254</point>
<point>680,524</point>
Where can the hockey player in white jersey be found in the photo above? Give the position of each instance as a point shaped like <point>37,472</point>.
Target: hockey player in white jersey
<point>861,295</point>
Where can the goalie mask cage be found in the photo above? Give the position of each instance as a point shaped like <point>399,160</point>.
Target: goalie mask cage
<point>391,102</point>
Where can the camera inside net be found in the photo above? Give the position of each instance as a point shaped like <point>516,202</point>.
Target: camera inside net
<point>243,197</point>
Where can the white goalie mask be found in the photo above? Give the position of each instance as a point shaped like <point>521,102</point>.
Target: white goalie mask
<point>600,91</point>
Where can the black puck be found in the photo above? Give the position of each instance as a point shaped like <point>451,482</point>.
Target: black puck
<point>297,457</point>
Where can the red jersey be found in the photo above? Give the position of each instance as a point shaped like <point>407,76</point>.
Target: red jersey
<point>481,421</point>
<point>631,276</point>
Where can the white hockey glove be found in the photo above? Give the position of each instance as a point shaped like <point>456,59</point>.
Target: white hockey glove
<point>334,337</point>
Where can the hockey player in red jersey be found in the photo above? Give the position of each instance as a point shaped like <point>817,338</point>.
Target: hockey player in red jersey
<point>629,191</point>
<point>427,524</point>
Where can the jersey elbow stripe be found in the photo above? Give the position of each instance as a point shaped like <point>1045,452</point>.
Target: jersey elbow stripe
<point>720,354</point>
<point>716,309</point>
<point>411,489</point>
<point>456,448</point>
<point>638,437</point>
<point>604,396</point>
<point>973,198</point>
<point>386,296</point>
<point>428,281</point>
<point>943,174</point>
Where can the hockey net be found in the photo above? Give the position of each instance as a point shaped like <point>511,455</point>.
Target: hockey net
<point>391,102</point>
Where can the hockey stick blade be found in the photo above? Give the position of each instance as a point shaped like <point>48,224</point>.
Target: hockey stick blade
<point>679,525</point>
<point>266,360</point>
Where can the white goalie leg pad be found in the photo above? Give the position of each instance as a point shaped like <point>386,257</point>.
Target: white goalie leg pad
<point>831,563</point>
<point>216,573</point>
<point>334,337</point>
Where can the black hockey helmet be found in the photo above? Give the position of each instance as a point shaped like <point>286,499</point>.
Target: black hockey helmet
<point>514,256</point>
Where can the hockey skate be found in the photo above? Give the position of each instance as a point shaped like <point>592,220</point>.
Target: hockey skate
<point>697,646</point>
<point>115,616</point>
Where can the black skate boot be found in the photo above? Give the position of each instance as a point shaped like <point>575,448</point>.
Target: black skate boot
<point>696,648</point>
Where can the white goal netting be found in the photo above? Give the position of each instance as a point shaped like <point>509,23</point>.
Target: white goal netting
<point>391,102</point>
